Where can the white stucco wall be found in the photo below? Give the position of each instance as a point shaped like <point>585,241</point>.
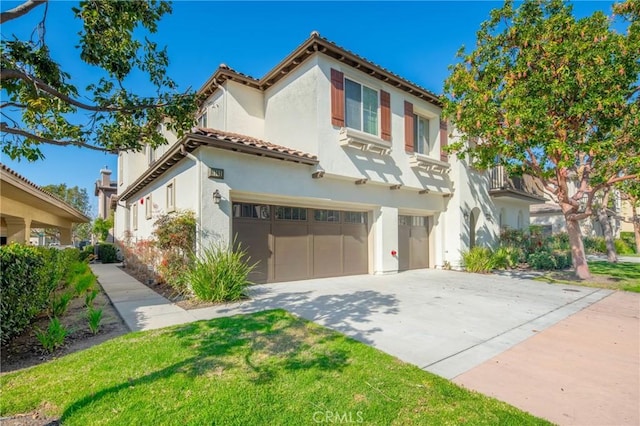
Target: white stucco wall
<point>277,182</point>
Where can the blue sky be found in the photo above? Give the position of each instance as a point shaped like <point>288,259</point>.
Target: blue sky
<point>417,40</point>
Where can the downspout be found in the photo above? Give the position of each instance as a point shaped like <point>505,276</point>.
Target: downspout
<point>198,163</point>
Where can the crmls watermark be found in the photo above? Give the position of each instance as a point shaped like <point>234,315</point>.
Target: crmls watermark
<point>336,417</point>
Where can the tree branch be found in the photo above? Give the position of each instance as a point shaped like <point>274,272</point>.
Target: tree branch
<point>18,11</point>
<point>15,131</point>
<point>12,104</point>
<point>8,73</point>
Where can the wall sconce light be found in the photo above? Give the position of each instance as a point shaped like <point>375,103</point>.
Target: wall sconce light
<point>465,214</point>
<point>217,196</point>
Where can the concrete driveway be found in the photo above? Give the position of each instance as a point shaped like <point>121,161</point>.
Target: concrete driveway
<point>442,321</point>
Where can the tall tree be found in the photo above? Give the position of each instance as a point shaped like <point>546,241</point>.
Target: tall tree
<point>78,198</point>
<point>41,105</point>
<point>546,94</point>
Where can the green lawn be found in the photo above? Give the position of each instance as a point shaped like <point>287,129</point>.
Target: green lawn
<point>265,368</point>
<point>616,276</point>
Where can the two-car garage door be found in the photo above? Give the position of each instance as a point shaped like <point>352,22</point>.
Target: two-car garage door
<point>293,243</point>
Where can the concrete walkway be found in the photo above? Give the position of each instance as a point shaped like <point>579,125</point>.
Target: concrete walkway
<point>140,307</point>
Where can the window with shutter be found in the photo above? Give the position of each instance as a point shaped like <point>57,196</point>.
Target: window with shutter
<point>361,107</point>
<point>408,126</point>
<point>337,98</point>
<point>385,118</point>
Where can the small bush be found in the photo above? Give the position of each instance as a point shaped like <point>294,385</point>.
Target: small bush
<point>60,303</point>
<point>86,254</point>
<point>107,253</point>
<point>622,247</point>
<point>25,285</point>
<point>478,259</point>
<point>53,337</point>
<point>542,260</point>
<point>94,316</point>
<point>220,274</point>
<point>594,245</point>
<point>173,268</point>
<point>630,239</point>
<point>562,259</point>
<point>505,257</point>
<point>559,242</point>
<point>90,297</point>
<point>84,283</point>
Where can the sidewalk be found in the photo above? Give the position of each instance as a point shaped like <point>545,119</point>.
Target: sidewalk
<point>140,307</point>
<point>585,370</point>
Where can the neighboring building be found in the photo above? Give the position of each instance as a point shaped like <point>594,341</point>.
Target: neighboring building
<point>626,211</point>
<point>328,165</point>
<point>25,206</point>
<point>550,218</point>
<point>105,190</point>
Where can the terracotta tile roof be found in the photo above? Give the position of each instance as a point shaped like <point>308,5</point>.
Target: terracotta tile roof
<point>312,45</point>
<point>251,142</point>
<point>216,139</point>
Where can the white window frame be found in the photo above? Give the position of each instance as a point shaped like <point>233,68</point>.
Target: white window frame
<point>426,148</point>
<point>362,112</point>
<point>203,119</point>
<point>171,196</point>
<point>148,210</point>
<point>151,155</point>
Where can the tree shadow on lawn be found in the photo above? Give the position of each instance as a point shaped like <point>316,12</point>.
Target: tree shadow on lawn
<point>260,348</point>
<point>348,313</point>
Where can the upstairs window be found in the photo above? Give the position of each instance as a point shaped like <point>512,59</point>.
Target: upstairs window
<point>420,134</point>
<point>202,120</point>
<point>361,107</point>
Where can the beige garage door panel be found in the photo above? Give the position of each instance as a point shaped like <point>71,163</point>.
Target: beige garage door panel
<point>291,251</point>
<point>293,243</point>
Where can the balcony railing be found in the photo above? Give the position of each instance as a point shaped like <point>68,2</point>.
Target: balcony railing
<point>523,186</point>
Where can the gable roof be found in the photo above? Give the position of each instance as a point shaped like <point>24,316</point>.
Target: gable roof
<point>217,139</point>
<point>16,180</point>
<point>317,44</point>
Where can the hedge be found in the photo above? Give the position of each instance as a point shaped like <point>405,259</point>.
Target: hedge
<point>25,284</point>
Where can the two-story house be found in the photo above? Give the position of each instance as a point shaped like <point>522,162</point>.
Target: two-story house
<point>328,165</point>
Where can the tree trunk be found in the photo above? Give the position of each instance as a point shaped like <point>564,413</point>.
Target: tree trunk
<point>607,231</point>
<point>578,256</point>
<point>636,230</point>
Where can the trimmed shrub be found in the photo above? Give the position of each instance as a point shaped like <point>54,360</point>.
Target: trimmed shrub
<point>630,239</point>
<point>220,274</point>
<point>594,245</point>
<point>25,286</point>
<point>562,259</point>
<point>478,259</point>
<point>622,247</point>
<point>107,253</point>
<point>542,260</point>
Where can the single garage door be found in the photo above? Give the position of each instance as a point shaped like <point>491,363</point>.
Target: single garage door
<point>293,243</point>
<point>413,242</point>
